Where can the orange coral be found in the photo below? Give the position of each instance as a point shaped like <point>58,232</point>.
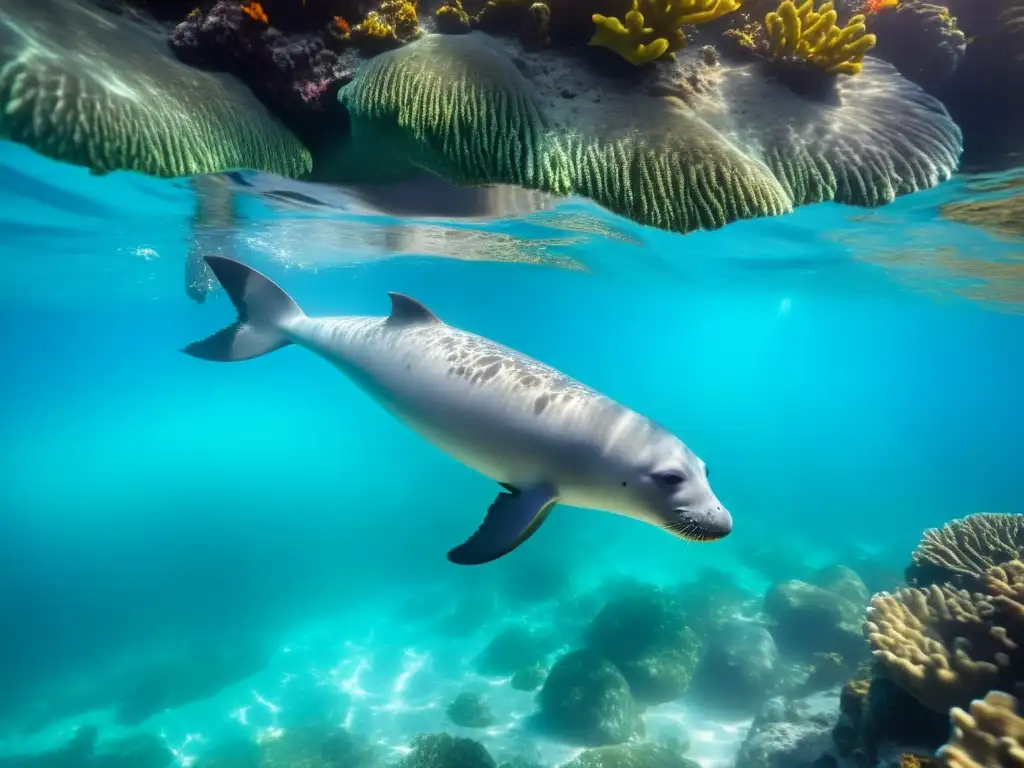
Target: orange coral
<point>341,25</point>
<point>874,6</point>
<point>255,11</point>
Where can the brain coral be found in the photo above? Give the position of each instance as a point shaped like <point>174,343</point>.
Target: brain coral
<point>990,736</point>
<point>730,143</point>
<point>86,87</point>
<point>962,551</point>
<point>947,646</point>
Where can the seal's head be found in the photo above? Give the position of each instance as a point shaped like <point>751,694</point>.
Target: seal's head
<point>666,484</point>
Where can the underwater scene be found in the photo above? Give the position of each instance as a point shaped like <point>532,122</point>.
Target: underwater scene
<point>619,384</point>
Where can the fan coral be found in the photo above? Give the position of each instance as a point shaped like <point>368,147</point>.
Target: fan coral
<point>652,27</point>
<point>990,736</point>
<point>803,33</point>
<point>946,646</point>
<point>962,551</point>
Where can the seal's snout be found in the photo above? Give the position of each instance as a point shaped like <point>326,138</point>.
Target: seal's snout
<point>707,524</point>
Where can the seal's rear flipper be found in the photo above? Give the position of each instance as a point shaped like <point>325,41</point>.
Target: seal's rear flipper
<point>511,520</point>
<point>264,311</point>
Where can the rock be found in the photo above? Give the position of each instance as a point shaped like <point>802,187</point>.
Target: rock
<point>791,734</point>
<point>741,668</point>
<point>632,756</point>
<point>469,710</point>
<point>232,753</point>
<point>440,750</point>
<point>809,619</point>
<point>140,751</point>
<point>844,582</point>
<point>877,713</point>
<point>644,633</point>
<point>316,746</point>
<point>586,700</point>
<point>711,600</point>
<point>512,650</point>
<point>529,679</point>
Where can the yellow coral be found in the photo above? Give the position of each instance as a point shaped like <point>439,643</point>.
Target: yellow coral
<point>652,27</point>
<point>813,36</point>
<point>452,17</point>
<point>395,21</point>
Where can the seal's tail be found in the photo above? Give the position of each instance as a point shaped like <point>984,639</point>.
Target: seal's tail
<point>264,314</point>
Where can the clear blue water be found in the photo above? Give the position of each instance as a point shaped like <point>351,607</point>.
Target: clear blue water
<point>846,386</point>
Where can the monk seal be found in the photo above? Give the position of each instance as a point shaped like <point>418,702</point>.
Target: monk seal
<point>544,437</point>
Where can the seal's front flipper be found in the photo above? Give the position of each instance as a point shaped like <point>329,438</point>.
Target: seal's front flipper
<point>511,520</point>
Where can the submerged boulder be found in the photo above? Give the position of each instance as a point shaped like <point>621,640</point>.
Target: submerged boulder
<point>741,668</point>
<point>793,733</point>
<point>809,619</point>
<point>632,756</point>
<point>645,634</point>
<point>470,710</point>
<point>586,700</point>
<point>513,649</point>
<point>441,750</point>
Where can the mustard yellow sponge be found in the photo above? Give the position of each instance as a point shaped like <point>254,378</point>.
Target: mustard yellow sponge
<point>652,27</point>
<point>805,33</point>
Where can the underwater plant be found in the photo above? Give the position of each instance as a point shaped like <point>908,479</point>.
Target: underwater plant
<point>652,28</point>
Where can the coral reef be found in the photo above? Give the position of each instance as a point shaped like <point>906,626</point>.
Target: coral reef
<point>962,551</point>
<point>394,23</point>
<point>470,710</point>
<point>586,700</point>
<point>652,28</point>
<point>990,736</point>
<point>646,636</point>
<point>572,132</point>
<point>513,649</point>
<point>297,78</point>
<point>812,35</point>
<point>922,40</point>
<point>946,646</point>
<point>631,756</point>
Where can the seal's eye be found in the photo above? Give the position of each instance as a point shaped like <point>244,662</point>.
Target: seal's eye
<point>669,478</point>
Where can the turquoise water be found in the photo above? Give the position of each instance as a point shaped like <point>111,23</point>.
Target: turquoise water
<point>846,386</point>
